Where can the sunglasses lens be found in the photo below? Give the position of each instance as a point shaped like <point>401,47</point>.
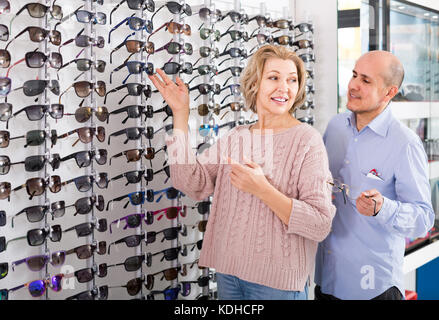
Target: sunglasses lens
<point>36,213</point>
<point>149,175</point>
<point>2,244</point>
<point>3,294</point>
<point>83,205</point>
<point>36,237</point>
<point>203,207</point>
<point>4,139</point>
<point>102,225</point>
<point>101,204</point>
<point>84,252</point>
<point>5,164</point>
<point>133,46</point>
<point>5,190</point>
<point>185,289</point>
<point>4,32</point>
<point>83,88</point>
<point>4,268</point>
<point>37,263</point>
<point>102,181</point>
<point>35,186</point>
<point>102,247</point>
<point>172,213</point>
<point>149,281</point>
<point>5,58</point>
<point>101,134</point>
<point>2,218</point>
<point>133,263</point>
<point>102,114</point>
<point>5,86</point>
<point>36,10</point>
<point>133,155</point>
<point>5,111</point>
<point>58,209</point>
<point>171,67</point>
<point>57,282</point>
<point>170,274</point>
<point>133,221</point>
<point>35,59</point>
<point>101,157</point>
<point>55,184</point>
<point>58,258</point>
<point>35,137</point>
<point>34,163</point>
<point>134,286</point>
<point>83,184</point>
<point>84,275</point>
<point>202,226</point>
<point>170,233</point>
<point>150,153</point>
<point>102,270</point>
<point>56,233</point>
<point>150,237</point>
<point>132,241</point>
<point>37,288</point>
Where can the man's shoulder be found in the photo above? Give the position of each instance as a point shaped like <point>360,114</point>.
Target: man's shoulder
<point>399,132</point>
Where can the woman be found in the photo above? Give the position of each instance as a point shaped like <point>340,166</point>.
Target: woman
<point>266,219</point>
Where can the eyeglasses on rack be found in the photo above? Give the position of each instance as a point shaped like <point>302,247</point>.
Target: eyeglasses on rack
<point>173,28</point>
<point>86,134</point>
<point>134,89</point>
<point>130,241</point>
<point>33,138</point>
<point>136,5</point>
<point>86,251</point>
<point>175,8</point>
<point>133,112</point>
<point>135,176</point>
<point>84,16</point>
<point>168,274</point>
<point>33,88</point>
<point>38,10</point>
<point>134,220</point>
<point>37,34</point>
<point>37,237</point>
<point>168,255</point>
<point>38,262</point>
<point>31,163</point>
<point>133,133</point>
<point>134,67</point>
<point>83,41</point>
<point>85,183</point>
<point>37,213</point>
<point>135,24</point>
<point>84,158</point>
<point>37,186</point>
<point>138,197</point>
<point>37,288</point>
<point>37,59</point>
<point>134,155</point>
<point>168,234</point>
<point>100,293</point>
<point>86,229</point>
<point>133,46</point>
<point>83,114</point>
<point>133,286</point>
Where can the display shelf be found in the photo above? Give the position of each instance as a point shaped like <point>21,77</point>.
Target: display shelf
<point>420,257</point>
<point>415,110</point>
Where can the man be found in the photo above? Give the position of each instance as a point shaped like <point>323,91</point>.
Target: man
<point>380,168</point>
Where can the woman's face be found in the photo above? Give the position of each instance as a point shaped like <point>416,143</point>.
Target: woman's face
<point>278,87</point>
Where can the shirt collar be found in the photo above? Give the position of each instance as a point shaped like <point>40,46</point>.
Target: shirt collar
<point>379,125</point>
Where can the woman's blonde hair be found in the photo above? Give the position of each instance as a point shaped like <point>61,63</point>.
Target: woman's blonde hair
<point>252,75</point>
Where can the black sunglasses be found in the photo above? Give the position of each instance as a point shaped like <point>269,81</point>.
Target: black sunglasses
<point>134,89</point>
<point>131,263</point>
<point>136,5</point>
<point>85,205</point>
<point>37,237</point>
<point>133,133</point>
<point>84,158</point>
<point>85,183</point>
<point>168,234</point>
<point>86,229</point>
<point>168,254</point>
<point>37,213</point>
<point>31,163</point>
<point>130,241</point>
<point>86,251</point>
<point>134,111</point>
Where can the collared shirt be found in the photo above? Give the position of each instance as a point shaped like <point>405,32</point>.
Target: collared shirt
<point>363,256</point>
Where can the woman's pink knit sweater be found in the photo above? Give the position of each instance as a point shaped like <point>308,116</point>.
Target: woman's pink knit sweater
<point>244,237</point>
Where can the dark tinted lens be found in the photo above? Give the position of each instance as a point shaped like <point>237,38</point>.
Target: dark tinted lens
<point>170,233</point>
<point>35,137</point>
<point>133,155</point>
<point>171,67</point>
<point>58,209</point>
<point>5,111</point>
<point>100,204</point>
<point>58,258</point>
<point>174,48</point>
<point>102,247</point>
<point>37,263</point>
<point>36,213</point>
<point>5,58</point>
<point>133,221</point>
<point>56,233</point>
<point>2,218</point>
<point>172,193</point>
<point>34,163</point>
<point>133,241</point>
<point>102,225</point>
<point>133,263</point>
<point>203,207</point>
<point>150,237</point>
<point>102,270</point>
<point>4,139</point>
<point>5,164</point>
<point>4,32</point>
<point>35,186</point>
<point>35,59</point>
<point>83,184</point>
<point>2,244</point>
<point>83,205</point>
<point>134,286</point>
<point>5,190</point>
<point>37,288</point>
<point>4,269</point>
<point>34,87</point>
<point>84,252</point>
<point>84,275</point>
<point>36,237</point>
<point>5,86</point>
<point>172,212</point>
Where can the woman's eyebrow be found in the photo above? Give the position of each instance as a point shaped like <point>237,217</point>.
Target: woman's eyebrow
<point>291,73</point>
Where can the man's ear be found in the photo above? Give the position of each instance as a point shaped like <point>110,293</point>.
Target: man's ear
<point>391,92</point>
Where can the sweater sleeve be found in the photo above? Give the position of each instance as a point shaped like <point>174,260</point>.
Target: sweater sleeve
<point>191,174</point>
<point>312,212</point>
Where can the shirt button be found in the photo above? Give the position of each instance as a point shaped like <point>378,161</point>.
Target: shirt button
<point>347,161</point>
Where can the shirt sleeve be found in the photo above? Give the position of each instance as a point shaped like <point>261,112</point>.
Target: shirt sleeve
<point>411,215</point>
<point>191,174</point>
<point>312,212</point>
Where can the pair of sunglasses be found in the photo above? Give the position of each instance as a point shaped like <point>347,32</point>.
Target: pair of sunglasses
<point>31,163</point>
<point>38,212</point>
<point>33,138</point>
<point>134,67</point>
<point>133,133</point>
<point>139,197</point>
<point>133,112</point>
<point>136,5</point>
<point>37,288</point>
<point>131,263</point>
<point>201,225</point>
<point>85,183</point>
<point>87,274</point>
<point>135,176</point>
<point>134,89</point>
<point>84,88</point>
<point>175,8</point>
<point>38,111</point>
<point>84,158</point>
<point>168,255</point>
<point>37,34</point>
<point>133,286</point>
<point>86,229</point>
<point>168,274</point>
<point>135,24</point>
<point>168,234</point>
<point>202,207</point>
<point>84,65</point>
<point>33,88</point>
<point>37,59</point>
<point>133,46</point>
<point>86,134</point>
<point>86,251</point>
<point>100,293</point>
<point>174,68</point>
<point>168,293</point>
<point>83,114</point>
<point>134,220</point>
<point>38,262</point>
<point>130,241</point>
<point>37,237</point>
<point>37,186</point>
<point>134,155</point>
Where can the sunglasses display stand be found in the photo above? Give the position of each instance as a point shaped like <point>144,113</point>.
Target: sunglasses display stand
<point>233,26</point>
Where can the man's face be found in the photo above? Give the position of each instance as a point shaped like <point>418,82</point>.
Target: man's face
<point>366,90</point>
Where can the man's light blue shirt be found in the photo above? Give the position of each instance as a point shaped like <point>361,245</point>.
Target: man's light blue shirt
<point>363,256</point>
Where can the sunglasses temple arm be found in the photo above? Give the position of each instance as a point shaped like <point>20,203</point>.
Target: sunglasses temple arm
<point>115,27</point>
<point>16,239</point>
<point>120,102</point>
<point>115,8</point>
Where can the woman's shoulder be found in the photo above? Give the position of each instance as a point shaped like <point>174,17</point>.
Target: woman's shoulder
<point>310,136</point>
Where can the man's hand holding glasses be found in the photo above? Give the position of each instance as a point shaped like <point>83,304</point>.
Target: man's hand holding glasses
<point>370,202</point>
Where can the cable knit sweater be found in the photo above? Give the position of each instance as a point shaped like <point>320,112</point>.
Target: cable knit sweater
<point>244,237</point>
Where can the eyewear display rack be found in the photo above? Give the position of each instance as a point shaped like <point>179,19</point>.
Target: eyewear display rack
<point>95,23</point>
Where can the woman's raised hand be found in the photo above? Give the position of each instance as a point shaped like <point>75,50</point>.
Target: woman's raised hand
<point>175,94</point>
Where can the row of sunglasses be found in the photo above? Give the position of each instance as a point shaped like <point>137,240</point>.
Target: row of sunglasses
<point>85,205</point>
<point>37,288</point>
